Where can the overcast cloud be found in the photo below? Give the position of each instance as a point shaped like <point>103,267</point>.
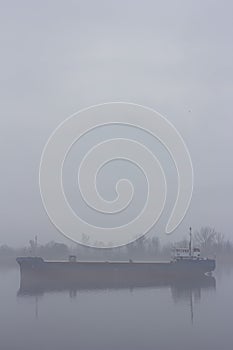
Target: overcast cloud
<point>60,56</point>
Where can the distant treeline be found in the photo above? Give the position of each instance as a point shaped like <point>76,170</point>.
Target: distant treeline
<point>210,242</point>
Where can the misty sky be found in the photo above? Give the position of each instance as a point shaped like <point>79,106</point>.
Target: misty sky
<point>60,56</point>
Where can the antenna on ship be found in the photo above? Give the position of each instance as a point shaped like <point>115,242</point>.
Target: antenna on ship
<point>190,241</point>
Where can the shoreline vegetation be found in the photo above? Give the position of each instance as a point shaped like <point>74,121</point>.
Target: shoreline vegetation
<point>211,243</point>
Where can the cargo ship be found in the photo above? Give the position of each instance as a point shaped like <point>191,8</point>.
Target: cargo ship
<point>186,262</point>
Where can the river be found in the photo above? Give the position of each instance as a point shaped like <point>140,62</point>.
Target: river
<point>164,317</point>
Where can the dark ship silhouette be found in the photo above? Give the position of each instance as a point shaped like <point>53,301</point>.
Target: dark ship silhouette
<point>187,264</point>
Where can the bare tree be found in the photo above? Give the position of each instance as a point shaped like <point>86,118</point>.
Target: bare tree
<point>206,237</point>
<point>219,239</point>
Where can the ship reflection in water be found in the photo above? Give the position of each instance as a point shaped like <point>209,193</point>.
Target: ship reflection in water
<point>181,288</point>
<point>188,289</point>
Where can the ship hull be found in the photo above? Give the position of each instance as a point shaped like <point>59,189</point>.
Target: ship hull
<point>36,271</point>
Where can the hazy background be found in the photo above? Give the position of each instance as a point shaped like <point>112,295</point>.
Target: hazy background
<point>60,56</point>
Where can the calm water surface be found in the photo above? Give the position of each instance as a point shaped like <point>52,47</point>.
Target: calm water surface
<point>160,317</point>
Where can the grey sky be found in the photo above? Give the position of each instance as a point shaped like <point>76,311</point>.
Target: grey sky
<point>60,56</point>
